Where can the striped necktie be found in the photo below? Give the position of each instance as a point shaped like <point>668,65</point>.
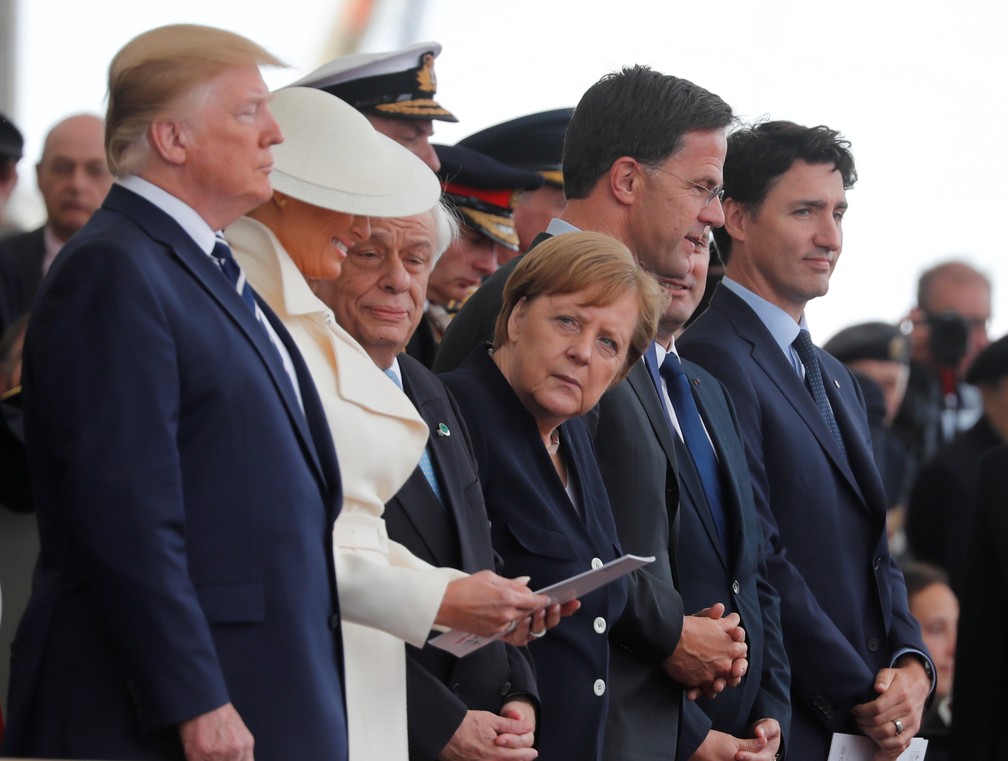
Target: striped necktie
<point>814,382</point>
<point>225,260</point>
<point>425,461</point>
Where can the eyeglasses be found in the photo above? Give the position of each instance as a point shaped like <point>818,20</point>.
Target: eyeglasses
<point>712,193</point>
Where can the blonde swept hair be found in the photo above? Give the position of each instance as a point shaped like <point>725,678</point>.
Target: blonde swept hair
<point>154,72</point>
<point>596,264</point>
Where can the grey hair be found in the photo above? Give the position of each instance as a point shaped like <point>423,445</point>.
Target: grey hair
<point>447,228</point>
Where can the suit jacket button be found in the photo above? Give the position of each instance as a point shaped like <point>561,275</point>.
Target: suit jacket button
<point>334,621</point>
<point>599,687</point>
<point>872,645</point>
<point>456,688</point>
<point>505,689</point>
<point>735,587</point>
<point>599,624</point>
<point>596,563</point>
<point>878,562</point>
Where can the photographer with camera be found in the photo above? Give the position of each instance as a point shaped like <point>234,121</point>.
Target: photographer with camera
<point>947,329</point>
<point>943,497</point>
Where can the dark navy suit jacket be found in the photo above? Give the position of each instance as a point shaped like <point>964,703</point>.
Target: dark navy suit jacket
<point>538,533</point>
<point>981,665</point>
<point>636,455</point>
<point>843,601</point>
<point>455,533</point>
<point>738,578</point>
<point>185,506</point>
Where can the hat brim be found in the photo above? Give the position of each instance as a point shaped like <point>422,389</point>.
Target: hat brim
<point>333,158</point>
<point>496,227</point>
<point>413,109</point>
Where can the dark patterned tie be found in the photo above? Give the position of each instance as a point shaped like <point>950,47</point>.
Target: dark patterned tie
<point>813,379</point>
<point>695,438</point>
<point>226,261</point>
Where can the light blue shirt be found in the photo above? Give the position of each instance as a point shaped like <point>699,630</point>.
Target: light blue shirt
<point>781,325</point>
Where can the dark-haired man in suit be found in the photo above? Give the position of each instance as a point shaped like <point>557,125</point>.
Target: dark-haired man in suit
<point>858,663</point>
<point>642,162</point>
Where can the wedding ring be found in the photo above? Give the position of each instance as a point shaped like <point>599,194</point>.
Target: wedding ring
<point>511,626</point>
<point>899,726</point>
<point>537,635</point>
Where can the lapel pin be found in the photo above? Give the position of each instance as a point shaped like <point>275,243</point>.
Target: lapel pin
<point>443,430</point>
<point>836,383</point>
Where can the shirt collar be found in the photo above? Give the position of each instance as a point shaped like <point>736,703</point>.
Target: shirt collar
<point>177,209</point>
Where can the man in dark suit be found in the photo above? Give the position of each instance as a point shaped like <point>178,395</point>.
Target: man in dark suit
<point>943,496</point>
<point>456,707</point>
<point>980,701</point>
<point>857,659</point>
<point>184,603</point>
<point>642,153</point>
<point>73,179</point>
<point>721,553</point>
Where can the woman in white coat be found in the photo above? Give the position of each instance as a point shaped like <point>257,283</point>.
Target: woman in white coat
<point>331,174</point>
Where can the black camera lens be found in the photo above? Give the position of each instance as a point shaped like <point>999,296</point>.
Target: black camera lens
<point>949,338</point>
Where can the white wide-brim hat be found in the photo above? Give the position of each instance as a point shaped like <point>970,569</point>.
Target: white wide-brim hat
<point>332,157</point>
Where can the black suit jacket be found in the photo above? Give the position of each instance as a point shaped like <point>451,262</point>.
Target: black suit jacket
<point>737,578</point>
<point>185,505</point>
<point>843,600</point>
<point>635,449</point>
<point>538,533</point>
<point>440,688</point>
<point>979,697</point>
<point>943,499</point>
<point>21,259</point>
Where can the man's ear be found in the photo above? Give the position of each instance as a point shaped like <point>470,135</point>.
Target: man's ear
<point>168,140</point>
<point>736,216</point>
<point>626,179</point>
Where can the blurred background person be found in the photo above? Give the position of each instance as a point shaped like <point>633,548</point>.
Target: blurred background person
<point>578,314</point>
<point>948,328</point>
<point>394,89</point>
<point>11,151</point>
<point>936,608</point>
<point>879,356</point>
<point>333,172</point>
<point>533,142</point>
<point>940,509</point>
<point>979,697</point>
<point>73,179</point>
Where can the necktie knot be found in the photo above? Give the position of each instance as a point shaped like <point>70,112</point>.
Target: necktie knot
<point>804,348</point>
<point>671,366</point>
<point>229,267</point>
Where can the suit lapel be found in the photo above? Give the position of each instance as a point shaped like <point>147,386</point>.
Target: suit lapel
<point>767,354</point>
<point>644,387</point>
<point>163,229</point>
<point>431,518</point>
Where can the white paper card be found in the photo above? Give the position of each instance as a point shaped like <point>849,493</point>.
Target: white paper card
<point>460,643</point>
<point>859,748</point>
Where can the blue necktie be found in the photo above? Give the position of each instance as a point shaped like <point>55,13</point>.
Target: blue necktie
<point>695,438</point>
<point>425,461</point>
<point>813,379</point>
<point>226,261</point>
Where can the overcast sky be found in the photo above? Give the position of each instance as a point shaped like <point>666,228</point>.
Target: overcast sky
<point>916,86</point>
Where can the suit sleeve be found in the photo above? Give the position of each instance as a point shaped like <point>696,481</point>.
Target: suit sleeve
<point>110,430</point>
